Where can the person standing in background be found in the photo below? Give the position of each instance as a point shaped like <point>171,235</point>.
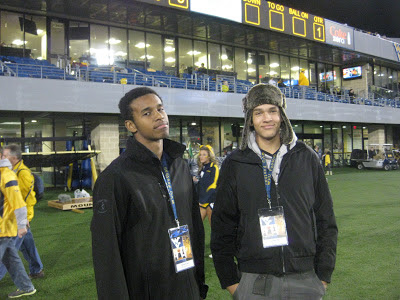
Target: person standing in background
<point>207,182</point>
<point>327,162</point>
<point>26,182</point>
<point>303,80</point>
<point>13,222</point>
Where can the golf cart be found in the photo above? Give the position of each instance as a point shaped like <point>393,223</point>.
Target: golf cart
<point>377,156</point>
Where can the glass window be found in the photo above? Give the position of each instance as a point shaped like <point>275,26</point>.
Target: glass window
<point>337,77</point>
<point>174,129</point>
<point>251,67</point>
<point>186,54</point>
<point>137,47</point>
<point>36,40</point>
<point>118,46</point>
<point>304,65</point>
<point>357,137</point>
<point>57,42</point>
<point>377,76</point>
<point>329,78</point>
<point>200,54</point>
<point>227,58</point>
<point>337,146</point>
<point>12,36</point>
<point>154,51</point>
<point>191,134</point>
<point>395,82</point>
<point>263,66</point>
<point>297,127</point>
<point>384,77</point>
<point>274,65</point>
<point>347,143</point>
<point>313,128</point>
<point>365,136</point>
<point>327,137</point>
<point>210,134</point>
<point>313,75</point>
<point>231,134</point>
<point>169,56</point>
<point>99,49</point>
<point>38,126</point>
<point>322,82</point>
<point>214,56</point>
<point>240,63</point>
<point>294,70</point>
<point>71,125</point>
<point>78,41</point>
<point>10,127</point>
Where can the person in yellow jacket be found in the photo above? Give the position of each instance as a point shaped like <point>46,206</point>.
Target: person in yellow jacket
<point>13,222</point>
<point>327,162</point>
<point>303,80</point>
<point>26,182</point>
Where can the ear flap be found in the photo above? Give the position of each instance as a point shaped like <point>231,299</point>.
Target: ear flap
<point>283,101</point>
<point>130,125</point>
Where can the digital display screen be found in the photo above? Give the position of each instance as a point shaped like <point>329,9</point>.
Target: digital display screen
<point>352,73</point>
<point>226,9</point>
<point>328,76</point>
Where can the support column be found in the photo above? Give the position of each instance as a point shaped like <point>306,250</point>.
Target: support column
<point>105,137</point>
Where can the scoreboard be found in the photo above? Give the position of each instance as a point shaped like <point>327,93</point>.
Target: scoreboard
<point>260,13</point>
<point>276,17</point>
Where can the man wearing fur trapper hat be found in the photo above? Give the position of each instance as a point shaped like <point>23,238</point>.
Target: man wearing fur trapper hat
<point>284,239</point>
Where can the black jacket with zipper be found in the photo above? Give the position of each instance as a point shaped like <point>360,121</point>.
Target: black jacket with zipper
<point>131,216</point>
<point>303,192</point>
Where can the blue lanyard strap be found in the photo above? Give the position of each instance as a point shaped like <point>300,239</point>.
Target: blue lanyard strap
<point>268,174</point>
<point>167,180</point>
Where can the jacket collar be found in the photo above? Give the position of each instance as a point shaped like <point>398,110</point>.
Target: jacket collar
<point>253,156</point>
<point>5,163</point>
<point>139,152</point>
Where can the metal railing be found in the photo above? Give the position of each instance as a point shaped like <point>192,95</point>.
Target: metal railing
<point>192,82</point>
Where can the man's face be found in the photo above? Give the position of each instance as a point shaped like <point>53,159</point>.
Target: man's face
<point>267,121</point>
<point>6,154</point>
<point>150,120</point>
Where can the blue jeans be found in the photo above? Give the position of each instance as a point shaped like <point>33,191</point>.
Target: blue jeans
<point>13,264</point>
<point>26,245</point>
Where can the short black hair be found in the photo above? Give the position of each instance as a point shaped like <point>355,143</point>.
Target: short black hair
<point>125,102</point>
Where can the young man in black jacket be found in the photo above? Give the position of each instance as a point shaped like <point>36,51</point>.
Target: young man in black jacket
<point>144,207</point>
<point>284,239</point>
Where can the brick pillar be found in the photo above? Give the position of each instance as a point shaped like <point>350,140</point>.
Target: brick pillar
<point>105,137</point>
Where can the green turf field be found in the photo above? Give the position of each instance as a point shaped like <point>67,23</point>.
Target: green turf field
<point>367,207</point>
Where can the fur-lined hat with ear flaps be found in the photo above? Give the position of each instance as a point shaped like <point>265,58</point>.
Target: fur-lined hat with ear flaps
<point>265,94</point>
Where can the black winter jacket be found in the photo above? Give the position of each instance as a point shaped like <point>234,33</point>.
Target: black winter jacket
<point>304,194</point>
<point>131,217</point>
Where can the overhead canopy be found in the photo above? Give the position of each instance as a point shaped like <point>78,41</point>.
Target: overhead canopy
<point>56,159</point>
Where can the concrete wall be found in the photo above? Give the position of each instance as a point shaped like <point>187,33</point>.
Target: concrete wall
<point>28,94</point>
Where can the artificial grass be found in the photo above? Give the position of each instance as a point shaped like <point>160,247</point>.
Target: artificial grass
<point>367,208</point>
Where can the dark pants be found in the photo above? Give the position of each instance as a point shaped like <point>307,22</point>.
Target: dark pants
<point>302,286</point>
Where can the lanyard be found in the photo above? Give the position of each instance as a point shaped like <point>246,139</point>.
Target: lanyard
<point>268,174</point>
<point>167,180</point>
